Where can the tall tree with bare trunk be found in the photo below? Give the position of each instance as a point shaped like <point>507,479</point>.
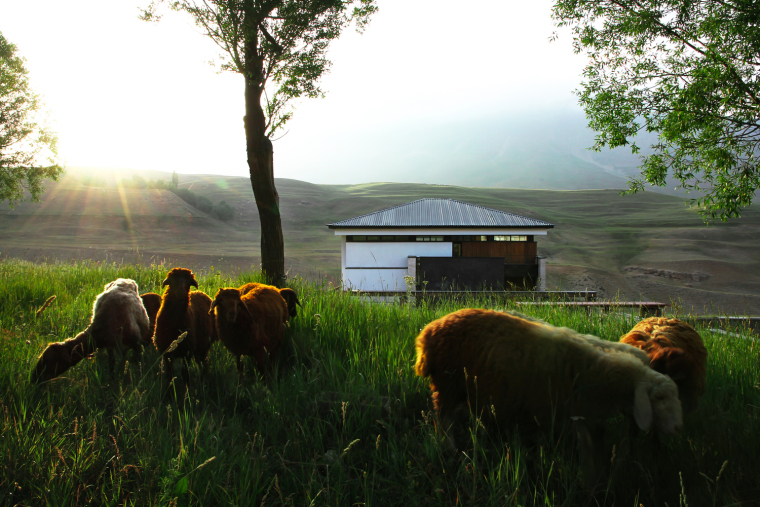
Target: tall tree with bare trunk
<point>280,47</point>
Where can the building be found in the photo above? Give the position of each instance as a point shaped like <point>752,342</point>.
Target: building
<point>440,244</point>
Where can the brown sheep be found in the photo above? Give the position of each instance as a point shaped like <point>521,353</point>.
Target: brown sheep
<point>289,295</point>
<point>250,321</point>
<point>151,302</point>
<point>182,310</point>
<point>118,321</point>
<point>528,373</point>
<point>675,349</point>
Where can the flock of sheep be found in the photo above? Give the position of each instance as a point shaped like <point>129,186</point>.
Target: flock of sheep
<point>182,324</point>
<point>501,366</point>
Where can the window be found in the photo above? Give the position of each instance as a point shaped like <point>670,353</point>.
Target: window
<point>510,238</point>
<point>358,238</point>
<point>373,238</point>
<point>429,238</point>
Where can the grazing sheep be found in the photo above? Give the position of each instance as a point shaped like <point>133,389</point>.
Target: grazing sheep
<point>289,295</point>
<point>182,310</point>
<point>119,320</point>
<point>151,302</point>
<point>675,349</point>
<point>250,321</point>
<point>525,372</point>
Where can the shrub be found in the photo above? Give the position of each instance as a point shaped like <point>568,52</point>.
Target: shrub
<point>204,204</point>
<point>187,196</point>
<point>224,211</point>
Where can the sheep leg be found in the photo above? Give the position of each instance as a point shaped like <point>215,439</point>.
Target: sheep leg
<point>111,361</point>
<point>262,364</point>
<point>240,366</point>
<point>449,423</point>
<point>586,450</point>
<point>186,372</point>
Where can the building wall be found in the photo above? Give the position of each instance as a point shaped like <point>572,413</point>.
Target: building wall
<point>461,273</point>
<point>382,266</point>
<point>375,279</point>
<point>517,252</point>
<point>391,255</point>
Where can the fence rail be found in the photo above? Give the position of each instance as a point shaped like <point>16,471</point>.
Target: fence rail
<point>586,295</point>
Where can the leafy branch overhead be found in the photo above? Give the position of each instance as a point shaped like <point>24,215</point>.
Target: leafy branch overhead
<point>291,38</point>
<point>687,70</point>
<point>25,142</point>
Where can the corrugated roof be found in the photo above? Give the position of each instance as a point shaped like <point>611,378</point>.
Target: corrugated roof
<point>440,213</point>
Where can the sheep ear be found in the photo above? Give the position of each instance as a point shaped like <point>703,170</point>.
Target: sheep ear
<point>194,284</point>
<point>213,305</point>
<point>166,282</point>
<point>642,407</point>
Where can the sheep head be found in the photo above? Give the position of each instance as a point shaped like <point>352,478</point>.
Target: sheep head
<point>180,280</point>
<point>290,297</point>
<point>655,402</point>
<point>60,356</point>
<point>228,304</point>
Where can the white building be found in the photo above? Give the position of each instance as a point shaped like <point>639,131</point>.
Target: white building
<point>442,244</point>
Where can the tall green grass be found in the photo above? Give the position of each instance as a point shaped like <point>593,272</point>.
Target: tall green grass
<point>347,423</point>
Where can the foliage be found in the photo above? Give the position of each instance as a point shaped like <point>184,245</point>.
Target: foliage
<point>204,204</point>
<point>687,70</point>
<point>24,139</point>
<point>186,195</point>
<point>291,39</point>
<point>224,211</point>
<point>347,422</point>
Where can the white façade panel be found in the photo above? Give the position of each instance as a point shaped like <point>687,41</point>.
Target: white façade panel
<point>392,255</point>
<point>374,279</point>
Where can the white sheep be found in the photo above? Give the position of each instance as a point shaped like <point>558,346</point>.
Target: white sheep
<point>119,321</point>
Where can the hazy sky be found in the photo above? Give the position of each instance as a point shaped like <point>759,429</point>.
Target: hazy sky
<point>125,93</point>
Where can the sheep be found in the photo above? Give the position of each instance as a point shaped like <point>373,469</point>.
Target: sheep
<point>524,372</point>
<point>675,349</point>
<point>289,295</point>
<point>251,321</point>
<point>151,302</point>
<point>182,310</point>
<point>118,320</point>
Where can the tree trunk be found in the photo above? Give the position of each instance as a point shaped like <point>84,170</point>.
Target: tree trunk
<point>260,156</point>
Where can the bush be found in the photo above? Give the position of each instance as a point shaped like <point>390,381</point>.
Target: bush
<point>224,211</point>
<point>187,196</point>
<point>204,204</point>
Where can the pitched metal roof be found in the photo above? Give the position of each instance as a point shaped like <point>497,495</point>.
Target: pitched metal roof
<point>440,213</point>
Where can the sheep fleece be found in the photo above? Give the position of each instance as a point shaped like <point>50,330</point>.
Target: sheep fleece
<point>526,369</point>
<point>657,333</point>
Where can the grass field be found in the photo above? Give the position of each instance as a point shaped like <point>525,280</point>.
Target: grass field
<point>646,246</point>
<point>348,423</point>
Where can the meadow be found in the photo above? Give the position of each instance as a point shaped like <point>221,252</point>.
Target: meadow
<point>347,423</point>
<point>645,246</point>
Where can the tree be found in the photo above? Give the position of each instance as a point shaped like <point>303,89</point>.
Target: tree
<point>279,46</point>
<point>688,70</point>
<point>24,142</point>
<point>175,179</point>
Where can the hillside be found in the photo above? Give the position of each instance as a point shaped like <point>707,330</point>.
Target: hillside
<point>648,246</point>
